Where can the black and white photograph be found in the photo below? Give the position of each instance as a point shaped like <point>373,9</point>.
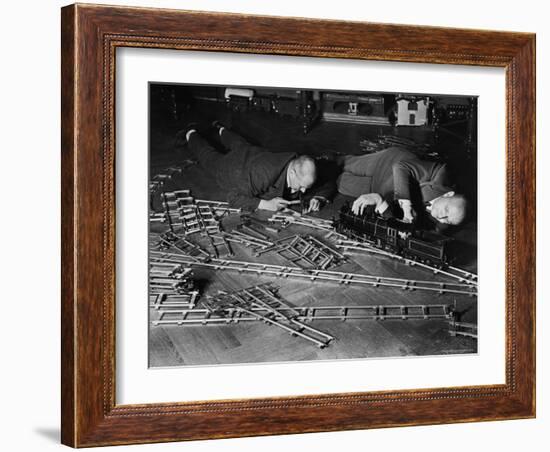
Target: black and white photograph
<point>299,224</point>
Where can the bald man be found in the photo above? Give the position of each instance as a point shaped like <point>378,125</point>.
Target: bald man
<point>397,175</point>
<point>254,178</point>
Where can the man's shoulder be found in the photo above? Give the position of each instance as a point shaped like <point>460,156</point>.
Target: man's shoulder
<point>398,153</point>
<point>269,169</point>
<point>272,159</point>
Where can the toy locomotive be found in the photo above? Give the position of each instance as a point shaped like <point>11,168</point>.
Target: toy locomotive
<point>394,236</point>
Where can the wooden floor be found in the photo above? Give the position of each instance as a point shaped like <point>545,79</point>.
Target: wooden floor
<point>256,342</point>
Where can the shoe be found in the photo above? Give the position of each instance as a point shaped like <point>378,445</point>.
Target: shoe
<point>181,136</point>
<point>217,125</point>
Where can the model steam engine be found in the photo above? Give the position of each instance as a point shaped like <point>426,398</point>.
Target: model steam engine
<point>394,236</point>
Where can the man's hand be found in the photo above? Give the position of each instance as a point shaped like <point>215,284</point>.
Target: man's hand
<point>369,199</point>
<point>273,204</point>
<point>314,205</point>
<point>408,212</point>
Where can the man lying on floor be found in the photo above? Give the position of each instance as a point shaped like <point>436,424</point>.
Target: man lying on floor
<point>254,178</point>
<point>400,184</point>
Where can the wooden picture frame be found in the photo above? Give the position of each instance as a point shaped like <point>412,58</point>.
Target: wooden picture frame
<point>90,36</point>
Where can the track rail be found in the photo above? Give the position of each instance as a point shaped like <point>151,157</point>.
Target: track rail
<point>162,301</point>
<point>315,274</point>
<point>305,314</point>
<point>353,246</point>
<point>262,303</point>
<point>462,329</point>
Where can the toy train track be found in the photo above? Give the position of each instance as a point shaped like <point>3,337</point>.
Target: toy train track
<point>306,252</point>
<point>462,329</point>
<point>352,246</point>
<point>305,314</point>
<point>316,274</point>
<point>464,273</point>
<point>277,311</point>
<point>171,285</point>
<point>261,303</point>
<point>172,240</point>
<point>163,301</point>
<point>289,217</point>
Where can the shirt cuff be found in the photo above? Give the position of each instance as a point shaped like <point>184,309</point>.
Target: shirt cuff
<point>382,207</point>
<point>404,202</point>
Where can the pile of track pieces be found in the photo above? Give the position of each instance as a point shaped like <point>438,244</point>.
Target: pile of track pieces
<point>185,215</point>
<point>183,211</point>
<point>370,146</point>
<point>171,240</point>
<point>306,252</point>
<point>289,217</point>
<point>171,286</point>
<point>157,181</point>
<point>462,329</point>
<point>255,243</point>
<point>276,311</point>
<point>303,251</point>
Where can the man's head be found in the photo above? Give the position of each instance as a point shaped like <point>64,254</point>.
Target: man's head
<point>449,208</point>
<point>301,173</point>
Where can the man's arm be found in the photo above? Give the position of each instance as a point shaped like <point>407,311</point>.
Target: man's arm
<point>324,189</point>
<point>406,173</point>
<point>381,206</point>
<point>256,178</point>
<point>242,201</point>
<point>250,203</point>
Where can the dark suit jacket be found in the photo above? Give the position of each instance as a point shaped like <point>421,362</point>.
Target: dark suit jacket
<point>421,181</point>
<point>413,177</point>
<point>250,174</point>
<point>394,173</point>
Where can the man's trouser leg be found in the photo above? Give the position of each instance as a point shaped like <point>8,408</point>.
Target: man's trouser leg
<point>236,143</point>
<point>208,157</point>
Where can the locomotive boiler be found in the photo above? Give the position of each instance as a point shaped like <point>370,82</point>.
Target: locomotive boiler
<point>395,236</point>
